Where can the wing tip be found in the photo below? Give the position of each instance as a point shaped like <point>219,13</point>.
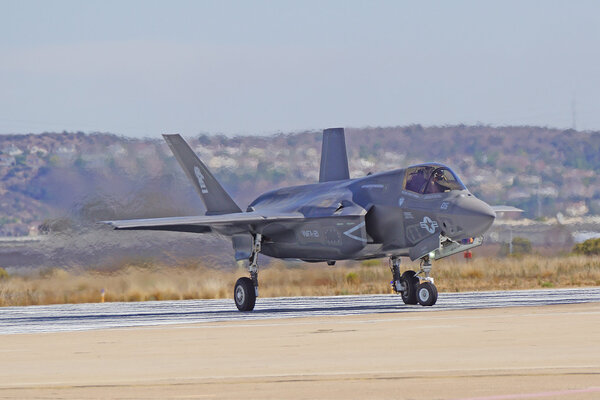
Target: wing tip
<point>506,209</point>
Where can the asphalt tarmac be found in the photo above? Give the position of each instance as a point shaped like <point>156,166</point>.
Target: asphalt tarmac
<point>81,317</point>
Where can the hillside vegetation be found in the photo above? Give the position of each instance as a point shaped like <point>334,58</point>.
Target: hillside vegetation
<point>84,178</point>
<point>590,247</point>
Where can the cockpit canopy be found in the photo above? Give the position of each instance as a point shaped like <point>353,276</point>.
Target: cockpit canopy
<point>426,179</point>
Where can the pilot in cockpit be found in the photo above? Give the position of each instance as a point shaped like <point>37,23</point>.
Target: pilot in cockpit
<point>427,179</point>
<point>438,182</point>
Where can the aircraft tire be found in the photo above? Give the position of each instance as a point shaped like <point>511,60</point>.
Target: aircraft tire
<point>244,294</point>
<point>427,294</point>
<point>409,296</point>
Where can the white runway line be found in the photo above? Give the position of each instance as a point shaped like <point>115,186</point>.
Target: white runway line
<point>76,317</point>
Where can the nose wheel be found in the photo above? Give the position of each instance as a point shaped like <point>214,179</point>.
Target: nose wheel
<point>427,294</point>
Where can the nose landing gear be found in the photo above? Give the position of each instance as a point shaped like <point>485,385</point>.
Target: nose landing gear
<point>409,283</point>
<point>427,293</point>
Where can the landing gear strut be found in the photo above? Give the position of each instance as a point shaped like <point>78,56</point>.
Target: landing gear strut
<point>427,293</point>
<point>409,283</point>
<point>405,284</point>
<point>246,289</point>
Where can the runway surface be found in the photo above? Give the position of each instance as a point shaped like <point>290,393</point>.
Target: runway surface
<point>78,317</point>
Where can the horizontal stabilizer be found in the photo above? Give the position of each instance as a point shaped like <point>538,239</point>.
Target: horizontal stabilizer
<point>334,160</point>
<point>215,198</point>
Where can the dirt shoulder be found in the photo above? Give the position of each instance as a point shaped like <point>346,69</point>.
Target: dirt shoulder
<point>552,350</point>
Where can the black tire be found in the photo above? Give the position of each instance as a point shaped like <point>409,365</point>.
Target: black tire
<point>244,294</point>
<point>427,294</point>
<point>409,296</point>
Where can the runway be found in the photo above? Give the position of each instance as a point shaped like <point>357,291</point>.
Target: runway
<point>81,317</point>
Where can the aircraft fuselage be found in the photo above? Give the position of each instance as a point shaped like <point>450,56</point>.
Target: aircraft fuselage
<point>368,217</point>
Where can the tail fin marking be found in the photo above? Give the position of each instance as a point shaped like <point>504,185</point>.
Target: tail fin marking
<point>215,198</point>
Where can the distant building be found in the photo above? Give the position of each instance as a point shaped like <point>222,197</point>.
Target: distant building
<point>577,209</point>
<point>12,150</point>
<point>117,150</point>
<point>38,150</point>
<point>33,230</point>
<point>66,150</point>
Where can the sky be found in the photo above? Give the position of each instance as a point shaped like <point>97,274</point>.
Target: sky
<point>143,68</point>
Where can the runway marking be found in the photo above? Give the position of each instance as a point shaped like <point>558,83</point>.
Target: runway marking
<point>535,395</point>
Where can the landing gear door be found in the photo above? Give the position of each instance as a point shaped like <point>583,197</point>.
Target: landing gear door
<point>424,247</point>
<point>421,226</point>
<point>242,246</point>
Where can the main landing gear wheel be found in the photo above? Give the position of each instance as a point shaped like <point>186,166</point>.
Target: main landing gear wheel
<point>245,291</point>
<point>244,294</point>
<point>427,294</point>
<point>410,283</point>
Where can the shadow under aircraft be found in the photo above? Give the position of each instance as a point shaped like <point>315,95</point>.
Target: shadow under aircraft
<point>423,212</point>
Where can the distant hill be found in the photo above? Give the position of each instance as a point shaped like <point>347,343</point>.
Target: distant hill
<point>76,178</point>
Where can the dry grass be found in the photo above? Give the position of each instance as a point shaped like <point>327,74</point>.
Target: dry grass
<point>159,282</point>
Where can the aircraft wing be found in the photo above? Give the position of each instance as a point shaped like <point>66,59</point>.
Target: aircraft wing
<point>506,209</point>
<point>203,223</point>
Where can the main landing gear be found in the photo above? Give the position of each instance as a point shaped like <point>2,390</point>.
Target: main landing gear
<point>409,283</point>
<point>245,291</point>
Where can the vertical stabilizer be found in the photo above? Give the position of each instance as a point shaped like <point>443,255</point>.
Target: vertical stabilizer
<point>215,198</point>
<point>334,160</point>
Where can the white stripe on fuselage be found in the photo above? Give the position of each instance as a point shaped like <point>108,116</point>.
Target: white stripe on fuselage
<point>353,229</point>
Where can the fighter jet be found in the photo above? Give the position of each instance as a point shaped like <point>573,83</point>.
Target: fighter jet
<point>423,212</point>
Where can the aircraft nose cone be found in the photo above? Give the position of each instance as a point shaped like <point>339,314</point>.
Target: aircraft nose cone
<point>475,215</point>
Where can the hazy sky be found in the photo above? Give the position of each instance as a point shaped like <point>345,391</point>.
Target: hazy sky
<point>142,68</point>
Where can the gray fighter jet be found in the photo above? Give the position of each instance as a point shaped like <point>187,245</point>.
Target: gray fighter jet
<point>423,212</point>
